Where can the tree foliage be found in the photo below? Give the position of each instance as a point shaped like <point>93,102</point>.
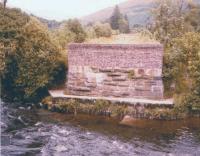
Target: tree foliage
<point>168,20</point>
<point>90,32</point>
<point>114,19</point>
<point>102,30</point>
<point>186,60</point>
<point>4,3</point>
<point>28,55</point>
<point>76,28</point>
<point>69,31</point>
<point>176,25</point>
<point>193,16</point>
<point>119,22</point>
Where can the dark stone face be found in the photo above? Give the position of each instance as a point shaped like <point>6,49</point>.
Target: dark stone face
<point>116,70</point>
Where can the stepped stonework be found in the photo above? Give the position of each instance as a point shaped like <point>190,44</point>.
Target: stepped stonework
<point>115,70</point>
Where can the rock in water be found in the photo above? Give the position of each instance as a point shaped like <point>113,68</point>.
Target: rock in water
<point>127,120</point>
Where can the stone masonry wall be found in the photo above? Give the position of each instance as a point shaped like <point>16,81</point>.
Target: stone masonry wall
<point>133,70</point>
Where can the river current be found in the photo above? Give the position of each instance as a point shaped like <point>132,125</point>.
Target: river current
<point>29,132</point>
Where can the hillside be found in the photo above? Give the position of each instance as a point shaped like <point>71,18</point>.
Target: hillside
<point>51,24</point>
<point>138,12</point>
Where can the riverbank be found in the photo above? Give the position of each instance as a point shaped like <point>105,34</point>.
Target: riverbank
<point>112,107</point>
<point>55,94</point>
<point>41,132</point>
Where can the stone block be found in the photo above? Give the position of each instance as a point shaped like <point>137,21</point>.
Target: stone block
<point>122,78</point>
<point>150,82</point>
<point>121,70</point>
<point>115,74</point>
<point>139,83</point>
<point>80,83</point>
<point>100,77</point>
<point>91,85</point>
<point>142,88</point>
<point>82,89</point>
<point>108,79</point>
<point>106,93</point>
<point>91,80</point>
<point>116,94</point>
<point>106,70</point>
<point>124,84</point>
<point>125,94</point>
<point>110,83</point>
<point>156,89</point>
<point>95,69</point>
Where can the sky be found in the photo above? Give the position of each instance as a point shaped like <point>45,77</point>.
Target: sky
<point>62,9</point>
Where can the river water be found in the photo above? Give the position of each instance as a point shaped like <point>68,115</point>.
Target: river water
<point>30,132</point>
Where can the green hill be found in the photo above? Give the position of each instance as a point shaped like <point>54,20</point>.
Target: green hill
<point>138,12</point>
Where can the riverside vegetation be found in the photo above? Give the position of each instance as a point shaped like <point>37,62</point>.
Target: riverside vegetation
<point>33,57</point>
<point>106,108</point>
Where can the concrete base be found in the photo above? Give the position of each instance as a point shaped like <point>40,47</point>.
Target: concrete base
<point>131,101</point>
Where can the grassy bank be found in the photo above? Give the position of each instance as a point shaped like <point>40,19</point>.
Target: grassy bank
<point>115,110</point>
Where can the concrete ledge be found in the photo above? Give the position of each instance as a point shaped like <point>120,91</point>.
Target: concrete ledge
<point>132,101</point>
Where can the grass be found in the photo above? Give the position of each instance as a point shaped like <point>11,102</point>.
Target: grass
<point>136,38</point>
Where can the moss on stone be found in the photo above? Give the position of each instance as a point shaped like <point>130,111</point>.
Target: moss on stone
<point>106,108</point>
<point>131,74</point>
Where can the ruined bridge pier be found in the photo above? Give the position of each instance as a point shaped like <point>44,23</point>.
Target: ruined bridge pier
<point>128,71</point>
<point>123,73</point>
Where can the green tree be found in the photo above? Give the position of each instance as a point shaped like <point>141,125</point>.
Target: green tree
<point>186,61</point>
<point>169,23</point>
<point>62,36</point>
<point>90,32</point>
<point>76,28</point>
<point>175,24</point>
<point>123,26</point>
<point>69,31</point>
<point>168,20</point>
<point>118,21</point>
<point>127,29</point>
<point>193,16</point>
<point>30,58</point>
<point>114,19</point>
<point>102,30</point>
<point>4,3</point>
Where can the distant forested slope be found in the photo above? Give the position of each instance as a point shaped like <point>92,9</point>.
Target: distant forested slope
<point>138,12</point>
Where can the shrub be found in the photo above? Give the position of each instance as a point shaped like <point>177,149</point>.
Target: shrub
<point>102,30</point>
<point>186,69</point>
<point>29,56</point>
<point>101,106</point>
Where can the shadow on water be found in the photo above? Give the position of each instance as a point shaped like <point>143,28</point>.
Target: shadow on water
<point>40,132</point>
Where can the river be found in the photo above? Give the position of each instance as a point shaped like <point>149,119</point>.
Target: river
<point>30,132</point>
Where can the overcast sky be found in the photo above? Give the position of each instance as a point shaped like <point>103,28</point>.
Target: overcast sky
<point>62,9</point>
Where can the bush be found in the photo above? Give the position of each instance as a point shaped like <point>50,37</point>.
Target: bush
<point>173,27</point>
<point>30,58</point>
<point>90,32</point>
<point>76,28</point>
<point>186,69</point>
<point>102,30</point>
<point>101,106</point>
